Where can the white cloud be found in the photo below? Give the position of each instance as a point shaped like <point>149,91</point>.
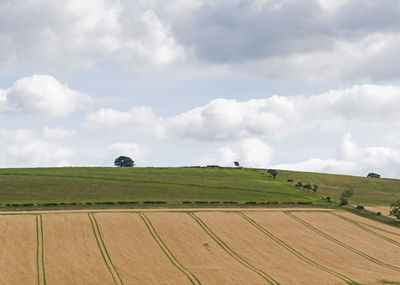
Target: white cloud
<point>57,133</point>
<point>25,148</point>
<point>273,117</point>
<point>82,34</point>
<point>248,152</point>
<point>138,153</point>
<point>353,159</point>
<point>41,95</point>
<point>275,38</point>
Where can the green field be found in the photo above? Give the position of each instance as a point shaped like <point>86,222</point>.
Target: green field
<point>175,185</point>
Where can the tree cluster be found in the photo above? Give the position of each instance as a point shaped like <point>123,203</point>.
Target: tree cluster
<point>395,209</point>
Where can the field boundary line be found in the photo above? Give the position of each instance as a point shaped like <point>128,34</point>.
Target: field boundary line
<point>105,248</point>
<point>232,253</point>
<point>357,224</point>
<point>102,251</point>
<point>192,278</point>
<point>41,274</point>
<point>359,252</point>
<point>295,252</point>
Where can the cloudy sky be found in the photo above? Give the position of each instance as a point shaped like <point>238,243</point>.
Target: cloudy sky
<point>308,85</point>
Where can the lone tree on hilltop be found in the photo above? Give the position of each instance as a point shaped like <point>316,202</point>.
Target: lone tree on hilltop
<point>124,161</point>
<point>273,172</point>
<point>346,194</point>
<point>236,163</point>
<point>395,209</point>
<point>373,175</point>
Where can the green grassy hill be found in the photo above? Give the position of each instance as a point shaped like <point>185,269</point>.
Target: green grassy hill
<point>175,185</point>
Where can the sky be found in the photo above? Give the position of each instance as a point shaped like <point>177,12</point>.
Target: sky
<point>311,85</point>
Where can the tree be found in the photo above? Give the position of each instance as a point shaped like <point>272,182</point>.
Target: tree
<point>290,181</point>
<point>395,209</point>
<point>346,194</point>
<point>373,175</point>
<point>315,188</point>
<point>124,161</point>
<point>236,163</point>
<point>273,172</point>
<point>299,184</point>
<point>307,186</point>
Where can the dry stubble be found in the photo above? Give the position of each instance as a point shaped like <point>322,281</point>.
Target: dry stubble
<point>261,251</point>
<point>322,250</point>
<point>18,249</point>
<point>71,253</point>
<point>199,253</point>
<point>135,254</point>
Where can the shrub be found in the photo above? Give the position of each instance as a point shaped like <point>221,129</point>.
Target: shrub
<point>48,204</point>
<point>88,203</point>
<point>201,202</point>
<point>104,203</point>
<point>229,202</point>
<point>250,203</point>
<point>304,203</point>
<point>272,203</point>
<point>360,207</point>
<point>378,213</point>
<point>154,202</point>
<point>345,196</point>
<point>187,202</point>
<point>214,202</point>
<point>27,205</point>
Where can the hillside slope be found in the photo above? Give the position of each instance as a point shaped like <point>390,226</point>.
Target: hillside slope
<point>175,185</point>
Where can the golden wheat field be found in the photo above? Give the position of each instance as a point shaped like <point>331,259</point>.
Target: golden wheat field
<point>209,246</point>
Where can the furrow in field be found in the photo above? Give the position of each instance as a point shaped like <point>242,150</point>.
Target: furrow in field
<point>321,250</point>
<point>368,229</point>
<point>136,255</point>
<point>18,240</point>
<point>353,238</point>
<point>390,231</point>
<point>192,278</point>
<point>297,253</point>
<point>229,250</point>
<point>72,255</point>
<point>263,252</point>
<point>104,253</point>
<point>200,253</point>
<point>41,274</point>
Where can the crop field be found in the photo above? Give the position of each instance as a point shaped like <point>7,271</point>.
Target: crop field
<point>86,187</point>
<point>192,246</point>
